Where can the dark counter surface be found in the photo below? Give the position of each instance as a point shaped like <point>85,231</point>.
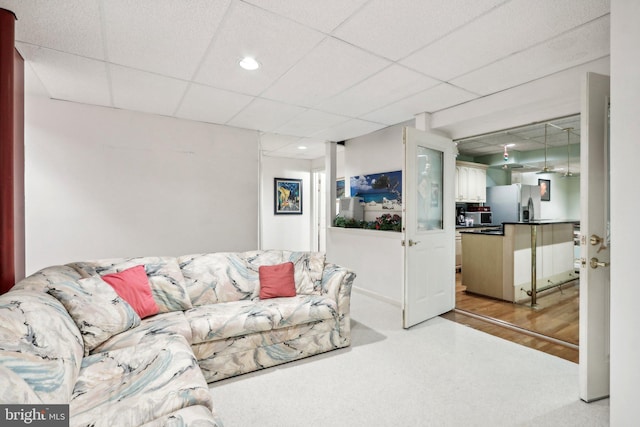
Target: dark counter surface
<point>545,222</point>
<point>464,227</point>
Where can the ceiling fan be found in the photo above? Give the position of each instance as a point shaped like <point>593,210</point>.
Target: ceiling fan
<point>568,173</point>
<point>545,169</point>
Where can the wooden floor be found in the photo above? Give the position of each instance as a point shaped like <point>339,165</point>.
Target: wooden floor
<point>551,327</point>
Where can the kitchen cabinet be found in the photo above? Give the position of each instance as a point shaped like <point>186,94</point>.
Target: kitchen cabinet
<point>471,182</point>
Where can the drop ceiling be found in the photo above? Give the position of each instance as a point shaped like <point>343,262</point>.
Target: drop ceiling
<point>330,70</point>
<point>554,144</point>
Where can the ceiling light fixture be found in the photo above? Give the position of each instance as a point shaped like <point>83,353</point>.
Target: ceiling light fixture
<point>249,63</point>
<point>302,147</point>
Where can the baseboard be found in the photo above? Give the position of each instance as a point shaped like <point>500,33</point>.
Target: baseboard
<point>377,296</point>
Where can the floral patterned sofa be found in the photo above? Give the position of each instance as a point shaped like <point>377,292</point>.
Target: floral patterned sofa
<point>70,334</point>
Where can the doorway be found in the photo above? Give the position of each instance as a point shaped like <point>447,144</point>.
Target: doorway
<point>547,151</point>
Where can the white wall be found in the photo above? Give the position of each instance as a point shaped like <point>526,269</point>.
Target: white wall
<point>625,205</point>
<point>291,232</point>
<point>564,195</point>
<point>104,183</point>
<point>375,256</point>
<point>381,151</point>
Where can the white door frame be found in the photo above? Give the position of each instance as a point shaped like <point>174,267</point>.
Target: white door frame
<point>594,221</point>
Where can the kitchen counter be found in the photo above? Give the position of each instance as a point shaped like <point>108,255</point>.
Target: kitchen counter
<point>500,263</point>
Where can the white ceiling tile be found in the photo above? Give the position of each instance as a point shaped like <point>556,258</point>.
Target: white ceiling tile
<point>265,115</point>
<point>513,27</point>
<point>273,141</point>
<point>330,68</point>
<point>348,129</point>
<point>387,86</point>
<point>275,42</point>
<point>69,77</point>
<point>310,122</point>
<point>207,104</point>
<point>312,149</point>
<point>141,91</point>
<point>71,26</point>
<point>586,43</point>
<point>431,100</point>
<point>396,28</point>
<point>163,36</point>
<point>323,15</point>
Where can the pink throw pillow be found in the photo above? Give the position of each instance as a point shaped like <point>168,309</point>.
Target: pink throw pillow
<point>277,281</point>
<point>133,286</point>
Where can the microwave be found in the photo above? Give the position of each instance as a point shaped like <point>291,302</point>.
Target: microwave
<point>479,218</point>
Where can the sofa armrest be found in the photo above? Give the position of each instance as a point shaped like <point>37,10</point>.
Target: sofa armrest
<point>336,283</point>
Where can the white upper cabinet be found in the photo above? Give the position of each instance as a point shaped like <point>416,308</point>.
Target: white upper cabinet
<point>471,182</point>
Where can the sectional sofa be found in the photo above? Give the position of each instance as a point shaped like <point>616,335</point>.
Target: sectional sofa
<point>136,341</point>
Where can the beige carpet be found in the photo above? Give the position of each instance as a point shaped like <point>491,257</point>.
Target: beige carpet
<point>438,373</point>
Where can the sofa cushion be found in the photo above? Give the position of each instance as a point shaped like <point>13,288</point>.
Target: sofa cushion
<point>138,384</point>
<point>97,309</point>
<point>232,319</point>
<point>40,280</point>
<point>228,319</point>
<point>133,286</point>
<point>149,329</point>
<point>308,270</point>
<point>166,279</point>
<point>218,277</point>
<point>41,343</point>
<point>277,281</point>
<point>301,309</point>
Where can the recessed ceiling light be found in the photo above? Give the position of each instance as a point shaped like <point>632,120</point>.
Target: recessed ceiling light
<point>301,147</point>
<point>249,63</point>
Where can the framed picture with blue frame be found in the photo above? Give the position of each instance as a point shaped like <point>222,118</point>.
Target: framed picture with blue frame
<point>287,197</point>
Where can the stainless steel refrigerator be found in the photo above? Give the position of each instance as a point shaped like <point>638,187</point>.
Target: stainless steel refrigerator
<point>514,203</point>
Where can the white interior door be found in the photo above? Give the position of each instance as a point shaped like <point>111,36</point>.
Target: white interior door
<point>595,241</point>
<point>429,229</point>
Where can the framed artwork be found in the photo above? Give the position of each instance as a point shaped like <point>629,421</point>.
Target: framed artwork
<point>287,197</point>
<point>339,188</point>
<point>378,189</point>
<point>545,189</point>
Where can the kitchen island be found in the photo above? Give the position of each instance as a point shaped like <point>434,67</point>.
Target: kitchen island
<point>501,264</point>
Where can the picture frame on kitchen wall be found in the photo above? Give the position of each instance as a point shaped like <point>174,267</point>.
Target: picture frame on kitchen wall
<point>545,189</point>
<point>287,197</point>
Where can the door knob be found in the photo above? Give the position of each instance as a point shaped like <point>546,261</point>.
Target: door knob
<point>597,240</point>
<point>413,243</point>
<point>595,263</point>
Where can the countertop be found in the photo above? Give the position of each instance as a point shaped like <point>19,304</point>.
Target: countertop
<point>546,221</point>
<point>496,230</point>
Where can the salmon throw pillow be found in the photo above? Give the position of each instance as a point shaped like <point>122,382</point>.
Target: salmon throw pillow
<point>277,281</point>
<point>133,286</point>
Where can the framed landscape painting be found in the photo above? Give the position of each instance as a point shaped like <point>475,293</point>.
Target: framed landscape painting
<point>287,196</point>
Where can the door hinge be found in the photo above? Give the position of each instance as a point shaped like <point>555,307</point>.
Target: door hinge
<point>402,243</point>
